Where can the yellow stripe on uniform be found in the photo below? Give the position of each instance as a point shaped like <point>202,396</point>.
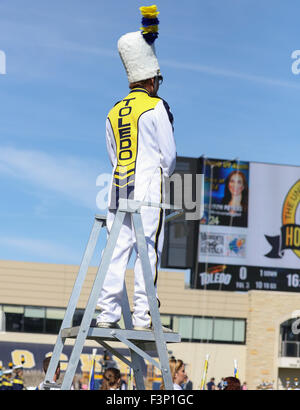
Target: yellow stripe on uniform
<point>124,118</point>
<point>122,186</point>
<point>125,176</point>
<point>18,381</point>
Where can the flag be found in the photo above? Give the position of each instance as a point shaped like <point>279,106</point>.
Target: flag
<point>130,379</point>
<point>202,386</point>
<point>235,371</point>
<point>92,371</point>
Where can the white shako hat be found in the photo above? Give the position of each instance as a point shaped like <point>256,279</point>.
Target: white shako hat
<point>137,50</point>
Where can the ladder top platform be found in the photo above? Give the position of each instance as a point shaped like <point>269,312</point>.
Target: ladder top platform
<point>112,334</point>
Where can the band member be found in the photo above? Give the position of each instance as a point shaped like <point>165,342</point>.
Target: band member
<point>142,151</point>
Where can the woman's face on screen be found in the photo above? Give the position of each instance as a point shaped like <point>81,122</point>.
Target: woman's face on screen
<point>236,185</point>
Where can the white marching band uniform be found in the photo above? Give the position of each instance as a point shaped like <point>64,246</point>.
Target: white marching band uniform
<point>142,151</point>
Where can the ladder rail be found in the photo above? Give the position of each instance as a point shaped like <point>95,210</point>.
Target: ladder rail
<point>92,302</point>
<point>132,346</point>
<point>152,301</point>
<point>68,318</point>
<point>136,359</point>
<point>114,352</point>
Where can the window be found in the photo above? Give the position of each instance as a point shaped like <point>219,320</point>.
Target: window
<point>78,315</point>
<point>166,320</point>
<point>290,340</point>
<point>210,330</point>
<point>34,318</point>
<point>54,318</point>
<point>14,318</point>
<point>203,328</point>
<point>184,326</point>
<point>239,331</point>
<point>223,330</point>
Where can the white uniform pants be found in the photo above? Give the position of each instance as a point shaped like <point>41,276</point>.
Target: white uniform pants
<point>111,295</point>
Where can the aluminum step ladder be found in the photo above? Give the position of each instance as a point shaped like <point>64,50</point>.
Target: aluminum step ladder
<point>139,343</point>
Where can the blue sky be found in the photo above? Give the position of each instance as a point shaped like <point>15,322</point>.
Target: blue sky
<point>227,77</point>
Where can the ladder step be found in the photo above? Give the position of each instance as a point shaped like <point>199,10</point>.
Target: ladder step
<point>109,334</point>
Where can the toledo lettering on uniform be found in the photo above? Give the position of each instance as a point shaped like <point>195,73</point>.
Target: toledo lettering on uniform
<point>125,131</point>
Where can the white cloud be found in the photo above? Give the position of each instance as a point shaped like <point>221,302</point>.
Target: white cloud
<point>220,72</point>
<point>38,248</point>
<point>83,48</point>
<point>70,177</point>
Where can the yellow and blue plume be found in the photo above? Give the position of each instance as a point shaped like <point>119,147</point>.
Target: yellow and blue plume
<point>150,23</point>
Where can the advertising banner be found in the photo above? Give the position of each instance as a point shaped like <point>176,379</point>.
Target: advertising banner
<point>34,353</point>
<point>249,237</point>
<point>226,192</point>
